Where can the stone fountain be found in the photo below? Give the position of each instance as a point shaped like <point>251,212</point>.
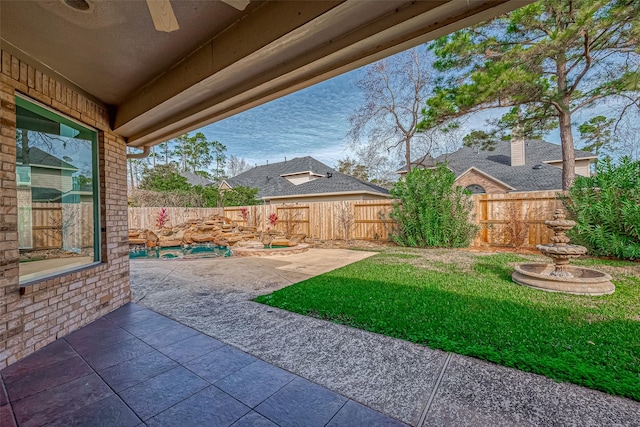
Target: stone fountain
<point>560,276</point>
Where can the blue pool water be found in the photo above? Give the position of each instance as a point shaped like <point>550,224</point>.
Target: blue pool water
<point>204,251</point>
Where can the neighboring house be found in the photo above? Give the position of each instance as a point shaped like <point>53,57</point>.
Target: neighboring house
<point>195,179</point>
<point>524,165</point>
<point>47,177</point>
<point>304,179</point>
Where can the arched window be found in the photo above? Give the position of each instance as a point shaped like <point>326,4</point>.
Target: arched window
<point>476,189</point>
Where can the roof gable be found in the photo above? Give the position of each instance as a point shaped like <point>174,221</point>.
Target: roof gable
<point>497,164</point>
<point>41,158</point>
<point>271,180</point>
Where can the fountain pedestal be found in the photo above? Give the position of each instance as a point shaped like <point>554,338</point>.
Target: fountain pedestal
<point>560,276</point>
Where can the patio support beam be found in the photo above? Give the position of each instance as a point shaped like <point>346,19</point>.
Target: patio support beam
<point>233,73</point>
<point>268,23</point>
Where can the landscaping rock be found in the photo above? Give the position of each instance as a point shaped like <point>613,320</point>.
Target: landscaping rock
<point>215,229</point>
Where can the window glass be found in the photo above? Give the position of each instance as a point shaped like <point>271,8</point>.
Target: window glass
<point>56,175</point>
<point>476,189</point>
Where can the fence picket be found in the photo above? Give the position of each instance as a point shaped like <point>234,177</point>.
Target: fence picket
<point>320,220</point>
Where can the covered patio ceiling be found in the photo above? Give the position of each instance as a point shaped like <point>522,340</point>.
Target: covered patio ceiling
<point>221,60</point>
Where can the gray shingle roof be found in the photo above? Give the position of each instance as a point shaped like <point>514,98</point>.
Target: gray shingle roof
<point>38,157</point>
<point>497,163</point>
<point>195,179</point>
<point>270,183</point>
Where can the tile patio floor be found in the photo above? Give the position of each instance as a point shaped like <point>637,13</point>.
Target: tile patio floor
<point>135,367</point>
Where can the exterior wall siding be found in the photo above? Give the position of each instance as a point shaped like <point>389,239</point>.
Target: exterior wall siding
<point>583,167</point>
<point>332,198</point>
<point>36,315</point>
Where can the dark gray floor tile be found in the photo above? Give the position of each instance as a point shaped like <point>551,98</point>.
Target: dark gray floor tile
<point>153,396</point>
<point>127,374</point>
<point>191,348</point>
<point>253,419</point>
<point>50,354</point>
<point>354,414</point>
<point>220,363</point>
<point>149,326</point>
<point>94,328</point>
<point>101,339</point>
<point>103,358</point>
<point>6,416</point>
<point>38,409</point>
<point>45,377</point>
<point>209,407</point>
<point>3,393</point>
<point>255,382</point>
<point>301,402</point>
<point>126,309</point>
<point>173,334</point>
<point>109,412</point>
<point>134,316</point>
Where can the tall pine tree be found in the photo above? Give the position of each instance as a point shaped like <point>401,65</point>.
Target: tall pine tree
<point>546,61</point>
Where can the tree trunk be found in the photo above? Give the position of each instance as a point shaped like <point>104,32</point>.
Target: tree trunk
<point>568,152</point>
<point>564,119</point>
<point>25,147</point>
<point>407,152</point>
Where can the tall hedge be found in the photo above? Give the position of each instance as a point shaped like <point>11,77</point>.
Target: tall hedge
<point>606,208</point>
<point>432,211</point>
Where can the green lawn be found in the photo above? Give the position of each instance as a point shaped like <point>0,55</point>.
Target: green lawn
<point>466,303</point>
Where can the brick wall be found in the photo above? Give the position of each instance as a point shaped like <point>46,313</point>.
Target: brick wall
<point>33,316</point>
<point>473,177</point>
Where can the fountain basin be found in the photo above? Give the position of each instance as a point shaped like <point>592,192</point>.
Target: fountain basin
<point>585,281</point>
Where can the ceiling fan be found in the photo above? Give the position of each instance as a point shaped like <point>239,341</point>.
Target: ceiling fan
<point>165,20</point>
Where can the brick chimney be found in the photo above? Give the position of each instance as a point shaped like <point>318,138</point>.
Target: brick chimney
<point>517,147</point>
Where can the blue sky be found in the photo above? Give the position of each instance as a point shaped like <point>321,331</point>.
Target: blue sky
<point>314,122</point>
<point>311,122</point>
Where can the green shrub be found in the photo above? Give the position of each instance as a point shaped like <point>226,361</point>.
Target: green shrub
<point>432,212</point>
<point>606,208</point>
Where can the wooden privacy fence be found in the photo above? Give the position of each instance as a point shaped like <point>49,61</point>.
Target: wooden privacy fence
<point>514,219</point>
<point>504,219</point>
<point>59,225</point>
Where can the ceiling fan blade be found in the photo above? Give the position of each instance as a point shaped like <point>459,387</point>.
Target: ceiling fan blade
<point>162,14</point>
<point>238,4</point>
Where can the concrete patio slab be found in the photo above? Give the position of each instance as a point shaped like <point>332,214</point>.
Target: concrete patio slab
<point>474,392</point>
<point>407,382</point>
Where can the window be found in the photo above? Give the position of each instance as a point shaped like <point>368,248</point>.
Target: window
<point>57,183</point>
<point>476,189</point>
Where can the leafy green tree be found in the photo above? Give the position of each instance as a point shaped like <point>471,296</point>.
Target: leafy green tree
<point>219,157</point>
<point>210,195</point>
<point>606,207</point>
<point>240,196</point>
<point>352,168</point>
<point>432,211</point>
<point>164,178</point>
<point>597,134</point>
<point>194,151</point>
<point>480,140</point>
<point>163,152</point>
<point>545,62</point>
<point>200,156</point>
